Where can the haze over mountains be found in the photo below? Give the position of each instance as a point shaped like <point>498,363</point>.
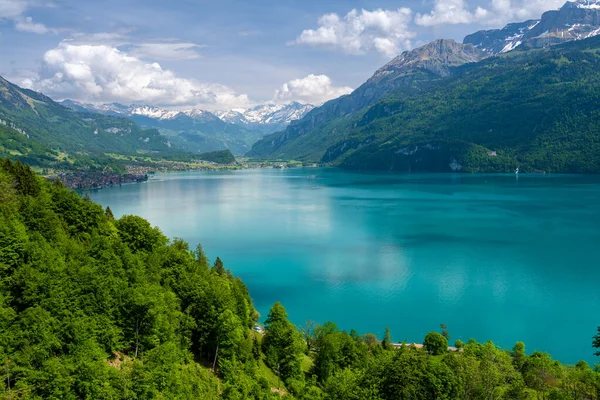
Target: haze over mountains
<point>448,106</point>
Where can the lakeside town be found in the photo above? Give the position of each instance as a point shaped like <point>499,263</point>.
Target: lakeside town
<point>137,171</point>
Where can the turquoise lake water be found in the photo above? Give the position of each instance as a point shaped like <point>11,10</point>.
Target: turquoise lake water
<point>493,257</point>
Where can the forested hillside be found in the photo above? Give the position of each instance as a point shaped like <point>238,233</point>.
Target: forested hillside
<point>51,134</point>
<point>92,307</point>
<point>536,109</point>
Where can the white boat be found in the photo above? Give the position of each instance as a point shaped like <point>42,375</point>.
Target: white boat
<point>517,171</point>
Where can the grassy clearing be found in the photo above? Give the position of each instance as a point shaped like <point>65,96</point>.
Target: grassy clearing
<point>271,376</point>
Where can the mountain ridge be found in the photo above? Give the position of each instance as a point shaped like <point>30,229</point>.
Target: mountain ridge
<point>410,72</point>
<point>575,20</point>
<point>264,114</point>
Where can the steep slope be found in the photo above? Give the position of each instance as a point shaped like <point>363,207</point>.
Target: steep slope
<point>576,20</point>
<point>410,72</point>
<point>49,125</point>
<point>537,110</point>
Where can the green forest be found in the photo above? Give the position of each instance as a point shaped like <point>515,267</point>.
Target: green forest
<point>93,307</point>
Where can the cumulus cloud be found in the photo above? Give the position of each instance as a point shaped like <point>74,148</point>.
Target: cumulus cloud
<point>102,73</point>
<point>384,31</point>
<point>495,12</point>
<point>450,12</point>
<point>314,89</point>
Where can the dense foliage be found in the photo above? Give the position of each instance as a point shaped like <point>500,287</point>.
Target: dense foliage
<point>92,307</point>
<point>97,308</point>
<point>218,157</point>
<point>535,109</point>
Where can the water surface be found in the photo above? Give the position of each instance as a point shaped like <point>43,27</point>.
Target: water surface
<point>493,257</point>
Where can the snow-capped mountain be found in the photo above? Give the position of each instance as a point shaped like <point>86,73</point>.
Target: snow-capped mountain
<point>576,20</point>
<point>268,114</point>
<point>276,116</point>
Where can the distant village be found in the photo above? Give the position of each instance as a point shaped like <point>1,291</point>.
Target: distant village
<point>83,180</point>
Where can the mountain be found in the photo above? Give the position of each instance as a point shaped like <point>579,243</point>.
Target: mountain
<point>40,131</point>
<point>410,72</point>
<point>334,132</point>
<point>273,116</point>
<point>534,109</point>
<point>202,131</point>
<point>576,20</point>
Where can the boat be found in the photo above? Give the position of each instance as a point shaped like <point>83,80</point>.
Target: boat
<point>517,171</point>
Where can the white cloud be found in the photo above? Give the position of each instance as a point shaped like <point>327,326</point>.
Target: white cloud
<point>314,89</point>
<point>496,12</point>
<point>384,31</point>
<point>101,73</point>
<point>450,12</point>
<point>504,11</point>
<point>13,8</point>
<point>27,25</point>
<point>167,51</point>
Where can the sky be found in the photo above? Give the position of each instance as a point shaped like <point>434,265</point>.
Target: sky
<point>223,54</point>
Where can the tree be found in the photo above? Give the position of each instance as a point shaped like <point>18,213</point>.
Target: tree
<point>405,376</point>
<point>370,339</point>
<point>541,372</point>
<point>435,343</point>
<point>445,331</point>
<point>308,332</point>
<point>109,213</point>
<point>282,344</point>
<point>518,355</point>
<point>138,234</point>
<point>218,267</point>
<point>387,340</point>
<point>201,257</point>
<point>596,343</point>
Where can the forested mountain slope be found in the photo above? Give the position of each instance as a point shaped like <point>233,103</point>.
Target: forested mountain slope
<point>62,132</point>
<point>409,73</point>
<point>537,109</point>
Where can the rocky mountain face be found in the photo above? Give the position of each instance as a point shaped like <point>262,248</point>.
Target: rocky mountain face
<point>576,20</point>
<point>409,72</point>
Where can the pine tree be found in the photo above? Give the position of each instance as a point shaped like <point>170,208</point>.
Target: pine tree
<point>387,340</point>
<point>109,214</point>
<point>218,267</point>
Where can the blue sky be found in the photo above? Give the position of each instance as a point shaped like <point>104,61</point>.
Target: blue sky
<point>226,53</point>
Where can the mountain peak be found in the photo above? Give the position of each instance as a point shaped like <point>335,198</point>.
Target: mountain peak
<point>264,114</point>
<point>586,4</point>
<point>437,57</point>
<point>577,19</point>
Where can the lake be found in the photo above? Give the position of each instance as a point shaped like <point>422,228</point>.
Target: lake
<point>495,257</point>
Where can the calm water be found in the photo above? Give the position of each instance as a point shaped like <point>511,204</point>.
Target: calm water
<point>492,257</point>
